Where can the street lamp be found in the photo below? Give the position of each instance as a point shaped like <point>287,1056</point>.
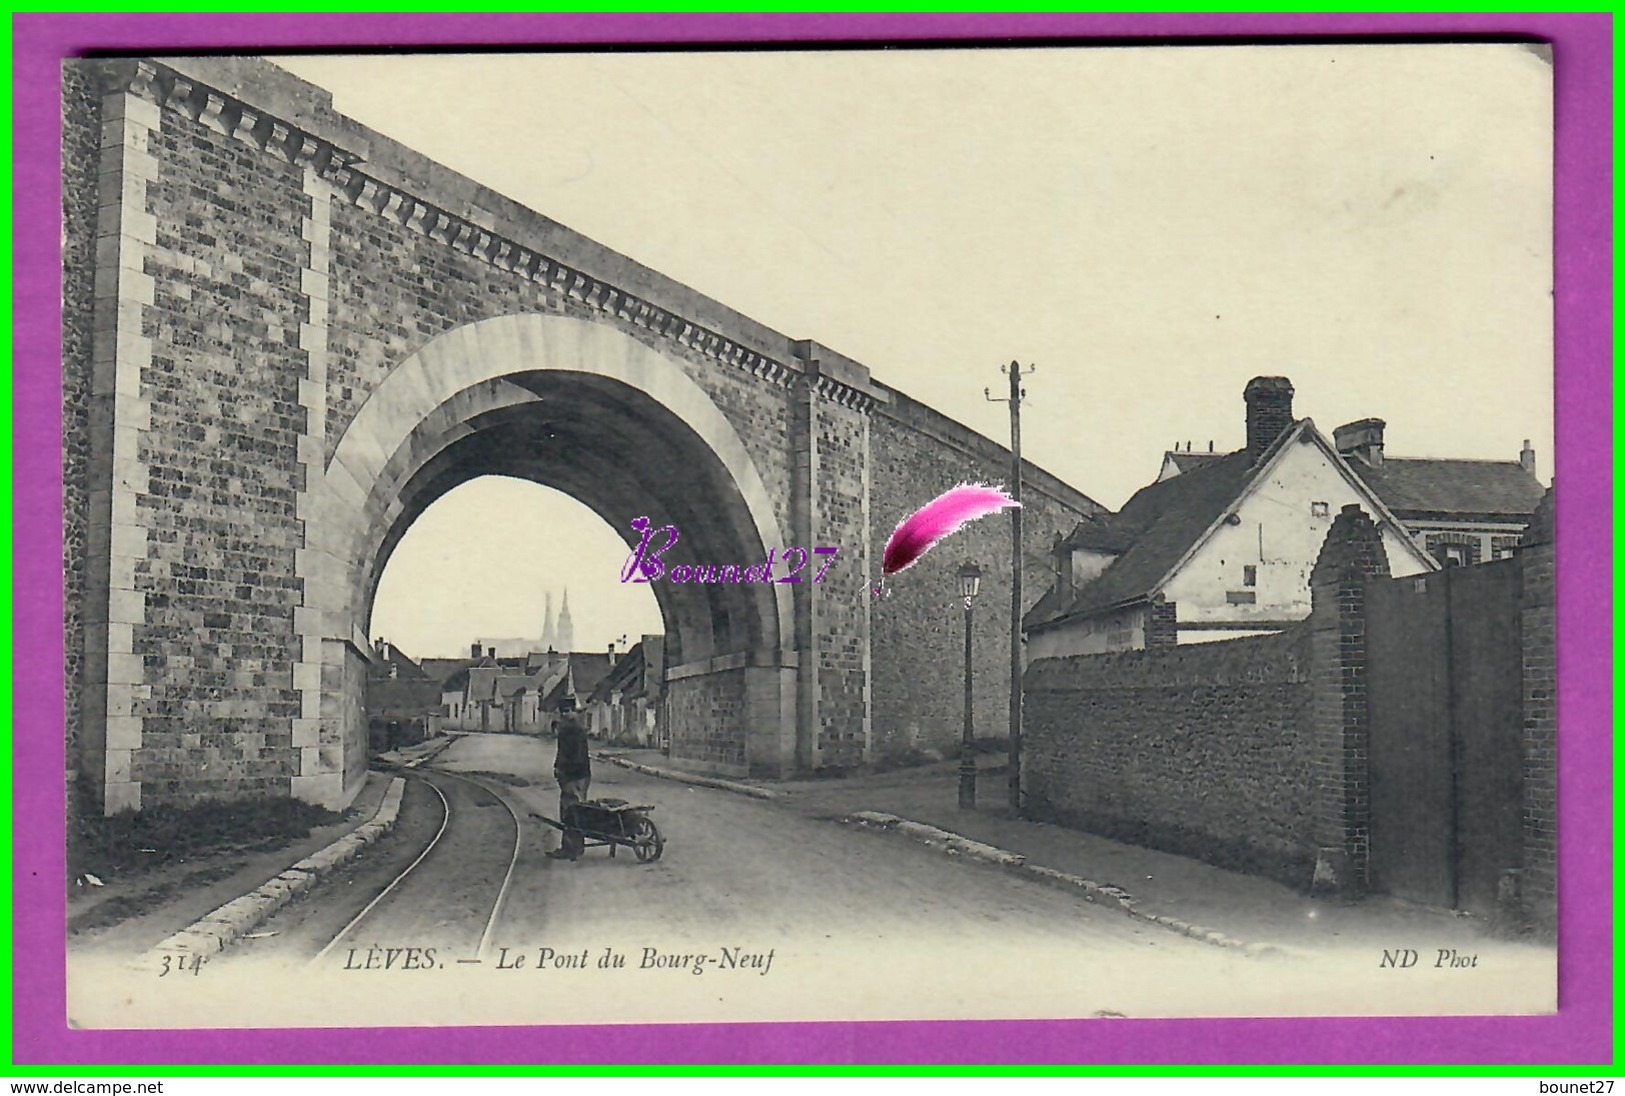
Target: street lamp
<point>970,580</point>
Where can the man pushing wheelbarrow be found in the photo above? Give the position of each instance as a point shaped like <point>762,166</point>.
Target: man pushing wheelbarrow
<point>594,823</point>
<point>572,768</point>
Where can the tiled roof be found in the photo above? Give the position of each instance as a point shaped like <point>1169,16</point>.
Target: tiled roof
<point>396,660</point>
<point>396,697</point>
<point>1099,532</point>
<point>1155,528</point>
<point>482,681</point>
<point>584,671</point>
<point>1185,461</point>
<point>627,676</point>
<point>587,670</point>
<point>446,669</point>
<point>1412,485</point>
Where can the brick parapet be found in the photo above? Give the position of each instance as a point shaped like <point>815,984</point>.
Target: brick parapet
<point>1351,556</point>
<point>1538,624</point>
<point>1162,623</point>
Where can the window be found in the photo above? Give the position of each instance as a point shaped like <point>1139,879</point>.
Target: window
<point>1505,552</point>
<point>1320,509</point>
<point>1249,575</point>
<point>1241,597</point>
<point>1453,555</point>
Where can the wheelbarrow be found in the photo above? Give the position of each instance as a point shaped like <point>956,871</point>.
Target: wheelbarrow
<point>612,823</point>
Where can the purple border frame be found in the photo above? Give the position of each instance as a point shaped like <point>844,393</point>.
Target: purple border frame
<point>1578,1033</point>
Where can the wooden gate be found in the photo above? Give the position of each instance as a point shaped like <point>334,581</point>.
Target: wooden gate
<point>1444,682</point>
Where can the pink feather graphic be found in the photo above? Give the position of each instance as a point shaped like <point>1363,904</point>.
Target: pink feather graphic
<point>943,516</point>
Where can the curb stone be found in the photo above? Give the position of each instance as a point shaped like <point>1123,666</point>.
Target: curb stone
<point>217,930</point>
<point>689,778</point>
<point>1101,893</point>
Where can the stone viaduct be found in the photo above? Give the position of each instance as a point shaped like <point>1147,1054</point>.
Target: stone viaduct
<point>286,335</point>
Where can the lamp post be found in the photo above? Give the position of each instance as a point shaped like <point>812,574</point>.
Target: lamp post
<point>970,580</point>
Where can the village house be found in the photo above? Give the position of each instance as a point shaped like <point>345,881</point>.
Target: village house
<point>581,674</point>
<point>402,700</point>
<point>1220,546</point>
<point>1461,511</point>
<point>501,694</point>
<point>625,706</point>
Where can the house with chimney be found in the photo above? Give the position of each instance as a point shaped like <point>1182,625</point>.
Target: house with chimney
<point>402,700</point>
<point>582,671</point>
<point>501,694</point>
<point>1220,546</point>
<point>625,706</point>
<point>1462,511</point>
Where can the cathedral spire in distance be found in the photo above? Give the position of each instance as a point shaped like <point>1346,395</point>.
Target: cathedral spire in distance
<point>548,638</point>
<point>566,634</point>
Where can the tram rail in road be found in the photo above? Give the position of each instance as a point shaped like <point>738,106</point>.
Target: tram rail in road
<point>483,949</point>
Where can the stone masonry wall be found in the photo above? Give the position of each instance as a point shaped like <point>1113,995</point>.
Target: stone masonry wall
<point>701,710</point>
<point>218,642</point>
<point>393,290</point>
<point>81,135</point>
<point>276,261</point>
<point>1201,750</point>
<point>842,597</point>
<point>918,646</point>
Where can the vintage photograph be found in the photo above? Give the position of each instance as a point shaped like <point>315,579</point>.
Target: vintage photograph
<point>832,534</point>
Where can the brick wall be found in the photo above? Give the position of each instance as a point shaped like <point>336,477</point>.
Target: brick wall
<point>1539,633</point>
<point>1259,753</point>
<point>1201,750</point>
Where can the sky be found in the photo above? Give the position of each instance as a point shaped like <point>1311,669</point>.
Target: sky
<point>1149,227</point>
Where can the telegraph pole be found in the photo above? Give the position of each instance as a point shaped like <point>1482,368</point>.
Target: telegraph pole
<point>1015,373</point>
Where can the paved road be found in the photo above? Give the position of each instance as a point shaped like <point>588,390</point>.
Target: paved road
<point>752,911</point>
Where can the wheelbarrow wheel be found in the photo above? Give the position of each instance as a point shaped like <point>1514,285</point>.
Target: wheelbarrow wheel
<point>647,844</point>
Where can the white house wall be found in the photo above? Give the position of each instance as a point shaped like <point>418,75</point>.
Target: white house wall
<point>1281,535</point>
<point>1087,564</point>
<point>1120,631</point>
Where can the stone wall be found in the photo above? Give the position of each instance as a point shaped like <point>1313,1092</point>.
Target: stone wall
<point>81,136</point>
<point>703,711</point>
<point>1201,749</point>
<point>918,648</point>
<point>265,264</point>
<point>842,597</point>
<point>221,452</point>
<point>1259,754</point>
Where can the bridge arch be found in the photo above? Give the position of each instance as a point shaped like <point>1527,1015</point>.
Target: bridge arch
<point>589,410</point>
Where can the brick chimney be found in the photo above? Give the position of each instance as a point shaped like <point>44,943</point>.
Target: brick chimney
<point>1061,557</point>
<point>1362,439</point>
<point>1527,457</point>
<point>1269,412</point>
